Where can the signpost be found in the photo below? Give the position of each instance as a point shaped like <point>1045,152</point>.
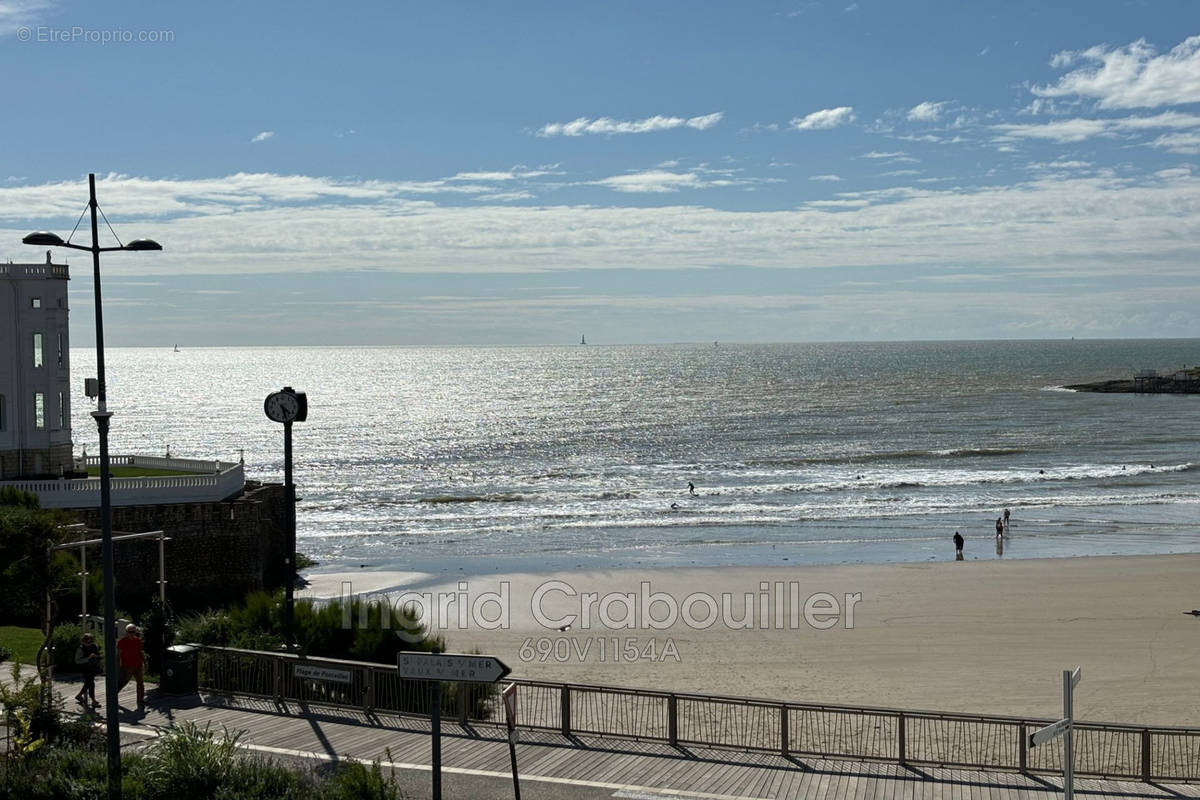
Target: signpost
<point>438,667</point>
<point>1064,727</point>
<point>510,719</point>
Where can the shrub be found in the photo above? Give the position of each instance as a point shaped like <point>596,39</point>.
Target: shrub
<point>5,654</point>
<point>64,642</point>
<point>213,628</point>
<point>188,761</point>
<point>355,781</point>
<point>158,634</point>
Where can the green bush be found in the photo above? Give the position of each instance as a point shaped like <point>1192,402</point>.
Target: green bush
<point>5,654</point>
<point>65,641</point>
<point>355,781</point>
<point>213,628</point>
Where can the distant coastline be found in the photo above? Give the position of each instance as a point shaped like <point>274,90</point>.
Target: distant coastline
<point>1174,384</point>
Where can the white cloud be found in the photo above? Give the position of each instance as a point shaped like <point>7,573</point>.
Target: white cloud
<point>16,13</point>
<point>1069,130</point>
<point>263,136</point>
<point>1087,225</point>
<point>605,125</point>
<point>1130,77</point>
<point>1184,143</point>
<point>824,178</point>
<point>654,181</point>
<point>898,155</point>
<point>896,173</point>
<point>823,119</point>
<point>505,197</point>
<point>1076,130</point>
<point>516,173</point>
<point>926,111</point>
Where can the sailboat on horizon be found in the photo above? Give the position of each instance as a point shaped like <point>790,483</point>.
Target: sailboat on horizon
<point>583,338</point>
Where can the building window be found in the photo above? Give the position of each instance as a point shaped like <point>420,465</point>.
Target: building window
<point>39,410</point>
<point>35,302</point>
<point>62,411</point>
<point>37,350</point>
<point>60,350</point>
<point>3,415</point>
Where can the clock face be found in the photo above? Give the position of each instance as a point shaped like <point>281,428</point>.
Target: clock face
<point>282,406</point>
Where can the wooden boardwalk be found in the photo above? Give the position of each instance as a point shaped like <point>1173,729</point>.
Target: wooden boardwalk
<point>614,767</point>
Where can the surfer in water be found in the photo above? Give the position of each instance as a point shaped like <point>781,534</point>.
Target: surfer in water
<point>691,489</point>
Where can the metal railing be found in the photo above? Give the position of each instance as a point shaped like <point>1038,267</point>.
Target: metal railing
<point>861,733</point>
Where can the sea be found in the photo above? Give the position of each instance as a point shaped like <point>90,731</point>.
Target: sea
<point>515,459</point>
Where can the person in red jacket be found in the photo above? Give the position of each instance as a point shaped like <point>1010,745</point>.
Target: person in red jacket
<point>132,660</point>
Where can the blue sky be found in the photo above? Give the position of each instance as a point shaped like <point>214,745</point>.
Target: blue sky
<point>444,173</point>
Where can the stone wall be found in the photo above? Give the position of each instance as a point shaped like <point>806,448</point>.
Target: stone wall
<point>215,553</point>
<point>42,463</point>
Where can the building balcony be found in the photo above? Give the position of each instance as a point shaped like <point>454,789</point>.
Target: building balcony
<point>195,482</point>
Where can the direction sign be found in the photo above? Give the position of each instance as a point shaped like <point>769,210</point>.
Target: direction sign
<point>1076,676</point>
<point>1051,731</point>
<point>451,667</point>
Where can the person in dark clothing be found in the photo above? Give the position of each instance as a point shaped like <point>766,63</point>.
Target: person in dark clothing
<point>87,656</point>
<point>958,546</point>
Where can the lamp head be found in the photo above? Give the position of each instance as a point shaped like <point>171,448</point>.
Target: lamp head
<point>44,239</point>
<point>143,244</point>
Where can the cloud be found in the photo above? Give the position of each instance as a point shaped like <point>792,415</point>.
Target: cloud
<point>1085,224</point>
<point>15,13</point>
<point>926,111</point>
<point>1184,143</point>
<point>1130,77</point>
<point>505,197</point>
<point>898,155</point>
<point>824,178</point>
<point>516,173</point>
<point>607,126</point>
<point>1077,130</point>
<point>824,119</point>
<point>263,136</point>
<point>654,181</point>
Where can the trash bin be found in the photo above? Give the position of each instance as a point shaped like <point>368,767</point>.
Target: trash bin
<point>179,670</point>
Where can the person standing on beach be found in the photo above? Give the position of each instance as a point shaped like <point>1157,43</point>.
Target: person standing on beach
<point>132,659</point>
<point>958,546</point>
<point>999,526</point>
<point>1006,519</point>
<point>87,656</point>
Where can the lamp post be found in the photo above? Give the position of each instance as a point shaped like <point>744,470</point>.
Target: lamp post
<point>102,416</point>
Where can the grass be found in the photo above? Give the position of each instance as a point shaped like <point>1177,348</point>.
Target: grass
<point>23,642</point>
<point>136,472</point>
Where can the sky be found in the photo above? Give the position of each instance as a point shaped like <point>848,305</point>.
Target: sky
<point>417,173</point>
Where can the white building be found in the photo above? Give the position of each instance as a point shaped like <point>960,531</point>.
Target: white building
<point>35,371</point>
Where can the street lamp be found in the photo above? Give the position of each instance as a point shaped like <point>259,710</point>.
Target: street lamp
<point>102,416</point>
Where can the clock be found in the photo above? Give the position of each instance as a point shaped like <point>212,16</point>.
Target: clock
<point>286,405</point>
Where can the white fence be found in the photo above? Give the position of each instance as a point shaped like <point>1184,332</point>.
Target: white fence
<point>207,482</point>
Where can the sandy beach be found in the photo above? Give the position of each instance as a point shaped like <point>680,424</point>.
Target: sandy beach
<point>972,636</point>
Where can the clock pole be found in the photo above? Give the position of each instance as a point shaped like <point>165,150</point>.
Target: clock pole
<point>288,406</point>
<point>289,608</point>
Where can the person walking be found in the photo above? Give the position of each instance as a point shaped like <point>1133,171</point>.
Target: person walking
<point>958,546</point>
<point>87,656</point>
<point>999,527</point>
<point>1006,519</point>
<point>132,659</point>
